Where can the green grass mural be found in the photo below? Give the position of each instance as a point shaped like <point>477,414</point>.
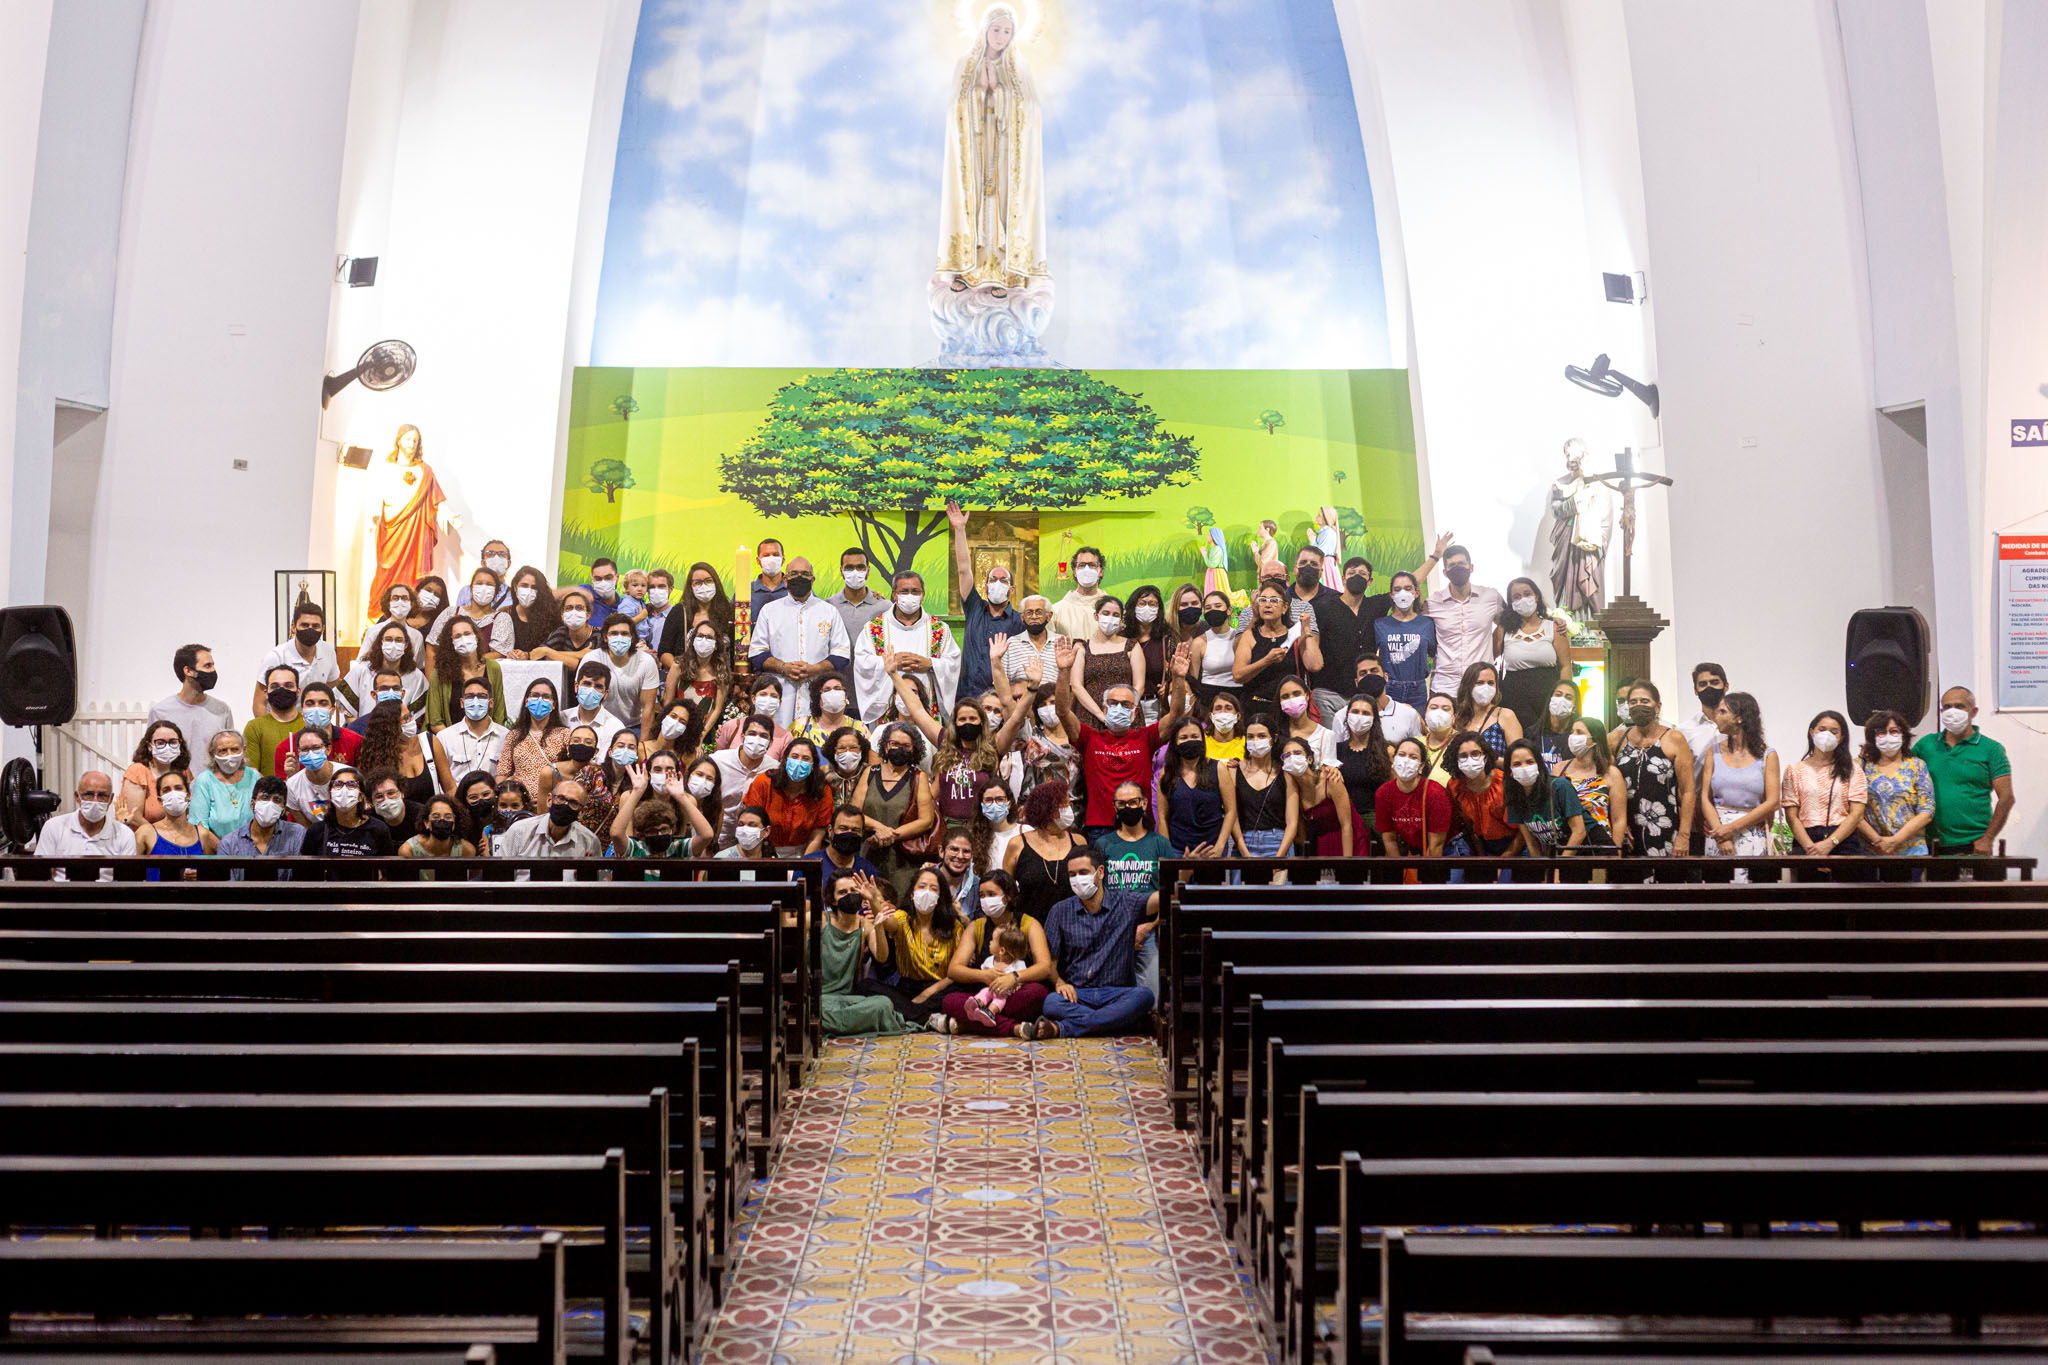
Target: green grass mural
<point>669,466</point>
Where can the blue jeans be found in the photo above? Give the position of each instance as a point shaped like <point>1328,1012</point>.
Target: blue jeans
<point>1148,963</point>
<point>1099,1010</point>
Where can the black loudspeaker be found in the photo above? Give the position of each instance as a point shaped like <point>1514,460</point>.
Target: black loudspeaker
<point>38,666</point>
<point>1887,663</point>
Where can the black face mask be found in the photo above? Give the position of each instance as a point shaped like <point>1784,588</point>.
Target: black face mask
<point>283,698</point>
<point>482,811</point>
<point>441,829</point>
<point>1640,716</point>
<point>968,732</point>
<point>1308,575</point>
<point>849,903</point>
<point>1711,697</point>
<point>1214,618</point>
<point>657,843</point>
<point>799,585</point>
<point>846,843</point>
<point>1356,584</point>
<point>1130,816</point>
<point>510,815</point>
<point>1373,685</point>
<point>900,757</point>
<point>1034,627</point>
<point>562,813</point>
<point>1191,749</point>
<point>580,753</point>
<point>1459,574</point>
<point>1189,615</point>
<point>205,681</point>
<point>307,636</point>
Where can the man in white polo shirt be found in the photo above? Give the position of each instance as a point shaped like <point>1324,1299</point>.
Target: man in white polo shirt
<point>89,831</point>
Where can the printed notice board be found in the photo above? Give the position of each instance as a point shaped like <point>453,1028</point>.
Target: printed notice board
<point>2022,621</point>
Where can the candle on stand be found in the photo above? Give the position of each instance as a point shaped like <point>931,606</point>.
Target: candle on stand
<point>742,572</point>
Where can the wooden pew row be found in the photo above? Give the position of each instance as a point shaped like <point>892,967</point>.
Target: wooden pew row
<point>277,1194</point>
<point>1446,1126</point>
<point>1962,1282</point>
<point>508,1294</point>
<point>1267,1214</point>
<point>137,1124</point>
<point>758,953</point>
<point>1639,1192</point>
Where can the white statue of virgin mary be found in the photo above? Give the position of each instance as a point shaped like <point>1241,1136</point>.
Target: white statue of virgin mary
<point>992,204</point>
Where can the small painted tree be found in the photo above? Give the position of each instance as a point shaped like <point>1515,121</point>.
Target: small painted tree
<point>1351,522</point>
<point>1271,420</point>
<point>625,405</point>
<point>871,444</point>
<point>1200,519</point>
<point>1337,476</point>
<point>608,477</point>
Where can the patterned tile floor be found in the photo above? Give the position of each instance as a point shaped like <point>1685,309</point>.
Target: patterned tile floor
<point>953,1201</point>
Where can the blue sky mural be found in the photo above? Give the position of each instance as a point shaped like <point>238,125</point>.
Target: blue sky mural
<point>776,197</point>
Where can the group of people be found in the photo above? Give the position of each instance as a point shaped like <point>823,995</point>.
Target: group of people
<point>967,785</point>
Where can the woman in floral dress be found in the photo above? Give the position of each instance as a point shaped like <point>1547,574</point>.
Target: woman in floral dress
<point>1900,804</point>
<point>1656,768</point>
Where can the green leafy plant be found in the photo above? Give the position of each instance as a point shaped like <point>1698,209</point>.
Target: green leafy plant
<point>625,405</point>
<point>1271,420</point>
<point>608,477</point>
<point>863,442</point>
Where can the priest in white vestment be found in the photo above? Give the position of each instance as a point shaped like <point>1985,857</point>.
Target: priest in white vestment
<point>909,640</point>
<point>796,638</point>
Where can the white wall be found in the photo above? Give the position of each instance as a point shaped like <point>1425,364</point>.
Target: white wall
<point>1763,342</point>
<point>22,58</point>
<point>473,198</point>
<point>227,230</point>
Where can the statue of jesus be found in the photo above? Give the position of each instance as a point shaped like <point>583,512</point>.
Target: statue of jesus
<point>992,201</point>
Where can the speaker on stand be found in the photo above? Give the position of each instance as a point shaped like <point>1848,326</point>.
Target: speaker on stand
<point>1887,663</point>
<point>38,687</point>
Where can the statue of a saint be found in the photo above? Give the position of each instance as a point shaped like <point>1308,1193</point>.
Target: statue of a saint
<point>406,514</point>
<point>992,202</point>
<point>1582,522</point>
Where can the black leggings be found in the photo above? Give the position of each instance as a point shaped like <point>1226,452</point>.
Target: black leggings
<point>905,1000</point>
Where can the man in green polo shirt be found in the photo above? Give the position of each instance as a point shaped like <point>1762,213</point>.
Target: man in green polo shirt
<point>1969,769</point>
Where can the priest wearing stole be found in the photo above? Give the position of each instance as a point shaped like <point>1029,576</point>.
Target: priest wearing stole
<point>909,640</point>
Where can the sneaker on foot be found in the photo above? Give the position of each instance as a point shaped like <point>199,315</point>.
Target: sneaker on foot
<point>978,1012</point>
<point>941,1023</point>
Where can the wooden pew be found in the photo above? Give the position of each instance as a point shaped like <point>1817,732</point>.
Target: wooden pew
<point>519,1284</point>
<point>276,1193</point>
<point>1687,1277</point>
<point>1746,1192</point>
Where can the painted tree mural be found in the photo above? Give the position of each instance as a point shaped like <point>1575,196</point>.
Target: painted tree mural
<point>1271,420</point>
<point>608,477</point>
<point>625,405</point>
<point>883,446</point>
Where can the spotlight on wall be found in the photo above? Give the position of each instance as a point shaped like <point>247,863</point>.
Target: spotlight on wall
<point>385,365</point>
<point>357,272</point>
<point>1602,378</point>
<point>1626,288</point>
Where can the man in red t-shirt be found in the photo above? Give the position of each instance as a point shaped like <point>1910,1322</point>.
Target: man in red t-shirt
<point>1121,752</point>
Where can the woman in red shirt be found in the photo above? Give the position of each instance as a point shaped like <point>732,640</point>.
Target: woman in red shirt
<point>797,799</point>
<point>1411,813</point>
<point>1476,794</point>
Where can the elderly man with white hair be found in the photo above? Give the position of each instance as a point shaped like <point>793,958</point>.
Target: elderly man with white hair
<point>90,831</point>
<point>1028,658</point>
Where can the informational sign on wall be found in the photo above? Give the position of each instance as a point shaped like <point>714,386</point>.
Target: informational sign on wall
<point>2022,622</point>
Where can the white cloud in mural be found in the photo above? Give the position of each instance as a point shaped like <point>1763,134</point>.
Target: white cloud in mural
<point>777,185</point>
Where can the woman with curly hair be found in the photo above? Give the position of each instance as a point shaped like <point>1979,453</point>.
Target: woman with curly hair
<point>797,798</point>
<point>847,757</point>
<point>458,660</point>
<point>535,740</point>
<point>994,825</point>
<point>968,753</point>
<point>535,613</point>
<point>1478,708</point>
<point>161,750</point>
<point>700,671</point>
<point>389,649</point>
<point>1037,858</point>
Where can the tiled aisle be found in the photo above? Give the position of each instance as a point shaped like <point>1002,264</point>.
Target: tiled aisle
<point>966,1202</point>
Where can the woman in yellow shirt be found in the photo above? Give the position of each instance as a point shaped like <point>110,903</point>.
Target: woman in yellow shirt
<point>915,948</point>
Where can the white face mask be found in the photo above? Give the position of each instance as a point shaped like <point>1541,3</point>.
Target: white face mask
<point>749,836</point>
<point>176,804</point>
<point>700,786</point>
<point>394,650</point>
<point>1954,719</point>
<point>1483,694</point>
<point>910,603</point>
<point>1295,764</point>
<point>1087,575</point>
<point>607,589</point>
<point>1223,722</point>
<point>1258,748</point>
<point>525,596</point>
<point>1471,765</point>
<point>657,597</point>
<point>1437,718</point>
<point>1403,599</point>
<point>408,727</point>
<point>391,807</point>
<point>1358,725</point>
<point>344,798</point>
<point>1577,743</point>
<point>672,727</point>
<point>753,746</point>
<point>1824,741</point>
<point>1560,706</point>
<point>164,753</point>
<point>1146,613</point>
<point>703,592</point>
<point>1048,714</point>
<point>1082,884</point>
<point>1407,767</point>
<point>497,563</point>
<point>855,578</point>
<point>771,564</point>
<point>658,780</point>
<point>1889,744</point>
<point>430,601</point>
<point>92,812</point>
<point>848,760</point>
<point>1110,625</point>
<point>268,813</point>
<point>1525,606</point>
<point>992,906</point>
<point>1525,773</point>
<point>925,899</point>
<point>833,703</point>
<point>998,591</point>
<point>574,617</point>
<point>704,644</point>
<point>401,607</point>
<point>228,763</point>
<point>767,704</point>
<point>1065,818</point>
<point>464,645</point>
